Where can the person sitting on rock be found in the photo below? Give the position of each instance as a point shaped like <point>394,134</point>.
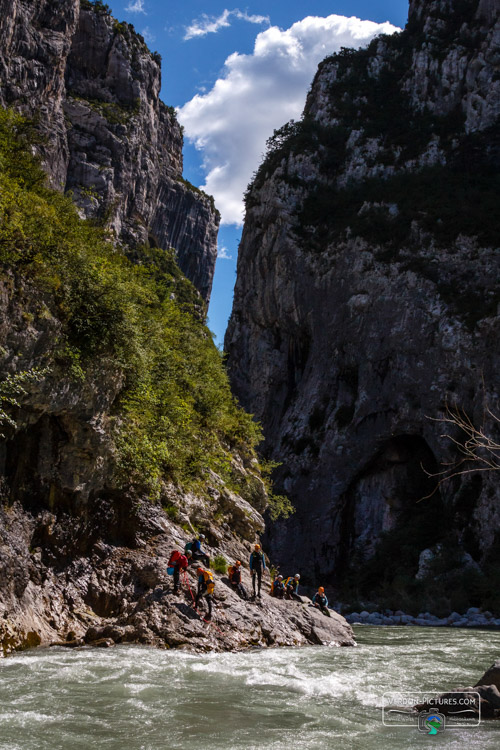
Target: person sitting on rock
<point>178,562</point>
<point>196,550</point>
<point>205,588</point>
<point>257,565</point>
<point>292,587</point>
<point>320,601</point>
<point>278,587</point>
<point>234,573</point>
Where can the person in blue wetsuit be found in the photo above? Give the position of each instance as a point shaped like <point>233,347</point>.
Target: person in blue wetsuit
<point>292,587</point>
<point>257,565</point>
<point>197,552</point>
<point>320,601</point>
<point>278,587</point>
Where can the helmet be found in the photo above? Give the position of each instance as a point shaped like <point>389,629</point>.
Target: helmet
<point>321,590</point>
<point>257,546</point>
<point>297,575</point>
<point>202,536</point>
<point>189,553</point>
<point>199,570</point>
<point>280,578</point>
<point>237,562</point>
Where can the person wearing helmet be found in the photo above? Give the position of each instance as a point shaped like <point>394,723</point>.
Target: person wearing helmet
<point>205,588</point>
<point>198,553</point>
<point>278,587</point>
<point>320,601</point>
<point>292,587</point>
<point>257,565</point>
<point>234,573</point>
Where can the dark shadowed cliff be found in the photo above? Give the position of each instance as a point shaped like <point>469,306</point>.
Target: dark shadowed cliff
<point>94,87</point>
<point>367,298</point>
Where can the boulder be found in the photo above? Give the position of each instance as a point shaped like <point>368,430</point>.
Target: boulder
<point>241,516</point>
<point>491,676</point>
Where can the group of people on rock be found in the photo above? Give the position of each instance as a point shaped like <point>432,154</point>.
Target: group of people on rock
<point>280,588</point>
<point>286,588</point>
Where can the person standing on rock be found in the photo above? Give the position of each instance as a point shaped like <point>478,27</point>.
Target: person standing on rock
<point>320,601</point>
<point>206,588</point>
<point>196,550</point>
<point>234,573</point>
<point>178,562</point>
<point>257,565</point>
<point>292,587</point>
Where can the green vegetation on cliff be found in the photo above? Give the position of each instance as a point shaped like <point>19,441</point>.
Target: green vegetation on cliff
<point>175,418</point>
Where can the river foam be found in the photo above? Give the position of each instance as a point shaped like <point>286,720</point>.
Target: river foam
<point>136,698</point>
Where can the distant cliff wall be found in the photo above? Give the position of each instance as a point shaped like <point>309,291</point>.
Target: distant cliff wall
<point>367,297</point>
<point>94,87</point>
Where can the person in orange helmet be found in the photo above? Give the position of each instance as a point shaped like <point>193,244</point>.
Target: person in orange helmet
<point>235,579</point>
<point>320,601</point>
<point>257,565</point>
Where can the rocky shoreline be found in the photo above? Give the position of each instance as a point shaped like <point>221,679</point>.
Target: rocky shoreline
<point>473,618</point>
<point>116,593</point>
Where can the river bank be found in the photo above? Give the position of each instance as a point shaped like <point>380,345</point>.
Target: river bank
<point>314,698</point>
<point>473,618</point>
<point>115,594</point>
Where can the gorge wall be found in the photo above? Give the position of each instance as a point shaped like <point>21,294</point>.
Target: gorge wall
<point>119,435</point>
<point>93,86</point>
<point>367,299</point>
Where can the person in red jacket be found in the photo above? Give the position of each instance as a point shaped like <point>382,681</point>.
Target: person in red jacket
<point>178,562</point>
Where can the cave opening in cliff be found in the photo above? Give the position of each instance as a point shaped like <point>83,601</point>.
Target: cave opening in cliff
<point>388,517</point>
<point>30,462</point>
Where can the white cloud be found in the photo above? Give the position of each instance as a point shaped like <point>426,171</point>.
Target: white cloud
<point>212,24</point>
<point>135,6</point>
<point>148,35</point>
<point>223,254</point>
<point>258,93</point>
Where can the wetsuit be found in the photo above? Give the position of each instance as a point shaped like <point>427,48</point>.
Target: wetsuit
<point>292,589</point>
<point>278,589</point>
<point>235,579</point>
<point>320,601</point>
<point>198,553</point>
<point>202,590</point>
<point>180,564</point>
<point>257,565</point>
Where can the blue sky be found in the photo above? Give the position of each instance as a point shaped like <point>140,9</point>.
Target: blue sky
<point>236,71</point>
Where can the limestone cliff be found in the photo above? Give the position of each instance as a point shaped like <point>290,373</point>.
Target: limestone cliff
<point>367,298</point>
<point>94,87</point>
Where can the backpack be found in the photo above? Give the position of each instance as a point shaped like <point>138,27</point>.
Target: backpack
<point>188,547</point>
<point>230,571</point>
<point>174,557</point>
<point>208,577</point>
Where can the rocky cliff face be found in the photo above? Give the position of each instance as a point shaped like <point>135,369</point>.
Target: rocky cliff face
<point>94,87</point>
<point>100,578</point>
<point>367,298</point>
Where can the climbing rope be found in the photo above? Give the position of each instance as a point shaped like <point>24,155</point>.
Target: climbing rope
<point>209,622</point>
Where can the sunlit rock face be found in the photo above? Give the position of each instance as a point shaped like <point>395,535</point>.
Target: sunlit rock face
<point>94,87</point>
<point>367,294</point>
